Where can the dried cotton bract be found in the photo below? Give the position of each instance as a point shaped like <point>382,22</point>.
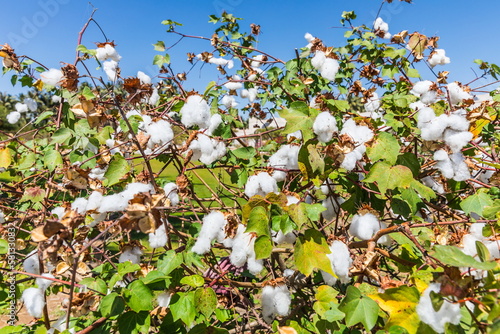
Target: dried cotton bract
<point>448,313</point>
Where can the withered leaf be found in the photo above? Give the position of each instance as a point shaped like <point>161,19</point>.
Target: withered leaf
<point>42,233</point>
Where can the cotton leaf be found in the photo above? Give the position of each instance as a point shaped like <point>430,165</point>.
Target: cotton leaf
<point>310,253</point>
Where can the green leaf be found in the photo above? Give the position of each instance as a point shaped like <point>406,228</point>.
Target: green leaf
<point>159,60</point>
<point>169,261</point>
<point>111,305</point>
<point>436,300</point>
<point>4,246</point>
<point>87,93</point>
<point>5,157</point>
<point>134,323</point>
<point>385,147</point>
<point>413,73</point>
<point>453,256</point>
<point>258,222</point>
<point>83,49</point>
<point>299,117</point>
<point>52,159</point>
<point>409,160</point>
<point>325,295</point>
<point>310,253</point>
<point>61,136</point>
<point>263,247</point>
<point>138,296</point>
<point>401,306</point>
<point>193,281</point>
<point>389,177</point>
<point>43,116</point>
<point>422,190</point>
<point>311,164</point>
<point>206,301</point>
<point>159,46</point>
<point>245,152</point>
<point>27,160</point>
<point>117,170</point>
<point>183,307</point>
<point>96,284</point>
<point>334,313</point>
<point>359,308</point>
<point>476,203</point>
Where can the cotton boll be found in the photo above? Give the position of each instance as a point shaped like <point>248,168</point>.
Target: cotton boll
<point>332,205</point>
<point>417,105</point>
<point>329,69</point>
<point>154,98</point>
<point>372,106</point>
<point>433,184</point>
<point>260,184</point>
<point>457,122</point>
<point>110,68</point>
<point>52,77</point>
<point>31,264</point>
<point>58,211</point>
<point>222,62</point>
<point>421,87</point>
<point>340,257</point>
<point>159,238</point>
<point>456,140</point>
<point>43,283</point>
<point>215,121</point>
<point>444,164</point>
<point>250,94</point>
<point>160,133</point>
<point>425,116</point>
<point>282,300</point>
<point>144,78</point>
<point>294,135</point>
<point>206,149</point>
<point>135,188</point>
<point>97,173</point>
<point>213,225</point>
<point>34,301</point>
<point>461,171</point>
<point>318,60</point>
<point>309,38</point>
<point>257,61</point>
<point>280,238</point>
<point>448,313</point>
<point>79,205</point>
<point>233,84</point>
<point>132,254</point>
<point>21,107</point>
<point>113,203</point>
<point>13,117</point>
<point>364,226</point>
<point>196,111</point>
<point>31,104</point>
<point>438,57</point>
<point>164,299</point>
<point>287,157</point>
<point>267,300</point>
<point>229,102</point>
<point>107,52</point>
<point>171,193</point>
<point>325,126</point>
<point>254,266</point>
<point>456,93</point>
<point>56,99</point>
<point>434,129</point>
<point>360,134</point>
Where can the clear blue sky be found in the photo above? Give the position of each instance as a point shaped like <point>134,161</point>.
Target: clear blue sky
<point>47,30</point>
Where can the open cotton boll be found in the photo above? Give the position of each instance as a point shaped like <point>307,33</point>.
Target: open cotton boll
<point>213,225</point>
<point>434,129</point>
<point>171,193</point>
<point>282,300</point>
<point>79,205</point>
<point>107,52</point>
<point>97,173</point>
<point>234,84</point>
<point>43,283</point>
<point>329,69</point>
<point>134,188</point>
<point>460,168</point>
<point>421,87</point>
<point>250,94</point>
<point>287,157</point>
<point>456,140</point>
<point>31,104</point>
<point>153,98</point>
<point>267,301</point>
<point>417,105</point>
<point>31,264</point>
<point>21,107</point>
<point>206,149</point>
<point>360,134</point>
<point>144,78</point>
<point>297,135</point>
<point>438,57</point>
<point>280,238</point>
<point>58,211</point>
<point>340,257</point>
<point>52,77</point>
<point>318,60</point>
<point>110,67</point>
<point>372,106</point>
<point>33,299</point>
<point>352,157</point>
<point>456,93</point>
<point>448,313</point>
<point>309,37</point>
<point>56,99</point>
<point>254,266</point>
<point>132,254</point>
<point>444,164</point>
<point>159,238</point>
<point>113,203</point>
<point>215,121</point>
<point>229,102</point>
<point>433,184</point>
<point>222,62</point>
<point>257,61</point>
<point>332,205</point>
<point>196,111</point>
<point>425,116</point>
<point>13,117</point>
<point>160,133</point>
<point>164,299</point>
<point>364,226</point>
<point>324,126</point>
<point>260,184</point>
<point>380,25</point>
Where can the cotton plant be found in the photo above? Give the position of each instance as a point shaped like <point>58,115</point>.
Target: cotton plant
<point>448,312</point>
<point>372,107</point>
<point>457,93</point>
<point>34,301</point>
<point>341,261</point>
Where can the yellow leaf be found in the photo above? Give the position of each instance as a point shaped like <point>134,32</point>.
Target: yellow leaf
<point>5,158</point>
<point>38,84</point>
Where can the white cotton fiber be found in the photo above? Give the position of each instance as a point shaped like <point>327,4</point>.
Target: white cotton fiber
<point>379,24</point>
<point>144,78</point>
<point>250,94</point>
<point>318,60</point>
<point>160,133</point>
<point>352,157</point>
<point>222,62</point>
<point>372,107</point>
<point>52,77</point>
<point>229,101</point>
<point>421,87</point>
<point>110,68</point>
<point>417,105</point>
<point>164,299</point>
<point>456,140</point>
<point>215,121</point>
<point>33,299</point>
<point>97,173</point>
<point>425,116</point>
<point>153,98</point>
<point>94,201</point>
<point>13,117</point>
<point>31,264</point>
<point>282,300</point>
<point>31,104</point>
<point>79,205</point>
<point>267,300</point>
<point>364,226</point>
<point>287,157</point>
<point>332,205</point>
<point>196,111</point>
<point>325,125</point>
<point>113,203</point>
<point>360,134</point>
<point>327,67</point>
<point>280,238</point>
<point>206,149</point>
<point>456,93</point>
<point>212,227</point>
<point>243,251</point>
<point>21,107</point>
<point>260,184</point>
<point>275,301</point>
<point>234,84</point>
<point>158,238</point>
<point>430,182</point>
<point>444,164</point>
<point>107,52</point>
<point>254,266</point>
<point>448,313</point>
<point>309,37</point>
<point>438,57</point>
<point>132,254</point>
<point>257,61</point>
<point>171,193</point>
<point>460,168</point>
<point>43,283</point>
<point>58,211</point>
<point>341,261</point>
